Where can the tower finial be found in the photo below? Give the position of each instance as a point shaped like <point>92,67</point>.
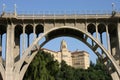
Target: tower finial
<point>63,45</point>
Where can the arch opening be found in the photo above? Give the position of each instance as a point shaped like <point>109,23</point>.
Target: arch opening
<point>3,29</point>
<point>101,28</point>
<point>74,34</point>
<point>71,43</point>
<point>97,49</point>
<point>91,28</point>
<point>18,31</point>
<point>78,34</point>
<point>28,31</point>
<point>39,29</point>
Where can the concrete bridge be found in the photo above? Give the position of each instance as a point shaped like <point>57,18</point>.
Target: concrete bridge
<point>81,27</point>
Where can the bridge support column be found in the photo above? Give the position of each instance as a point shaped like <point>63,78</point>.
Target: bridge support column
<point>97,31</point>
<point>9,53</point>
<point>118,32</point>
<point>23,40</point>
<point>108,40</point>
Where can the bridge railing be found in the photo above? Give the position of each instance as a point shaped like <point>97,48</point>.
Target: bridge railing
<point>54,13</point>
<point>82,12</point>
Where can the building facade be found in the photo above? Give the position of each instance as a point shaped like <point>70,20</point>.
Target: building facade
<point>77,59</point>
<point>80,59</point>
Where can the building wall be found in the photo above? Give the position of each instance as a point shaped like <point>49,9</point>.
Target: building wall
<point>80,59</point>
<point>66,56</point>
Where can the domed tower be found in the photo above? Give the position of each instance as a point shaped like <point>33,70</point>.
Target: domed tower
<point>63,47</point>
<point>65,53</point>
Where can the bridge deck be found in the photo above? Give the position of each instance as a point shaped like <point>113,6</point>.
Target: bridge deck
<point>66,16</point>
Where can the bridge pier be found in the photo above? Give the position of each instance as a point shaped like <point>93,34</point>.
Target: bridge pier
<point>118,28</point>
<point>9,53</point>
<point>108,39</point>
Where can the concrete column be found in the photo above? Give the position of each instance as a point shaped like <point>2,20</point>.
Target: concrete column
<point>118,32</point>
<point>108,40</point>
<point>23,39</point>
<point>86,26</point>
<point>34,29</point>
<point>9,53</point>
<point>97,32</point>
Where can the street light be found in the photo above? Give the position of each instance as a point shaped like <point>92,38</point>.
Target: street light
<point>113,6</point>
<point>3,8</point>
<point>15,12</point>
<point>113,9</point>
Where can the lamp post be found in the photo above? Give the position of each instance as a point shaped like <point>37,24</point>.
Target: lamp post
<point>113,6</point>
<point>15,11</point>
<point>3,8</point>
<point>113,9</point>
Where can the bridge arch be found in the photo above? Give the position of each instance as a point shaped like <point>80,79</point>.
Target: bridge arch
<point>76,33</point>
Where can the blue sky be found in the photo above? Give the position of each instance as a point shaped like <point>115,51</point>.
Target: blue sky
<point>29,6</point>
<point>59,5</point>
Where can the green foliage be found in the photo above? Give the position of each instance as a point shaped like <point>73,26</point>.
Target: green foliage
<point>44,67</point>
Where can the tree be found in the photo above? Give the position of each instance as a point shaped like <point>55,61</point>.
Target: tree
<point>44,67</point>
<point>38,69</point>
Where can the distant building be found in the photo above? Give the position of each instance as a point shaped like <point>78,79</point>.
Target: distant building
<point>80,59</point>
<point>77,59</point>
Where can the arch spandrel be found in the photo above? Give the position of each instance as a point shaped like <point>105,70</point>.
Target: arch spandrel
<point>94,48</point>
